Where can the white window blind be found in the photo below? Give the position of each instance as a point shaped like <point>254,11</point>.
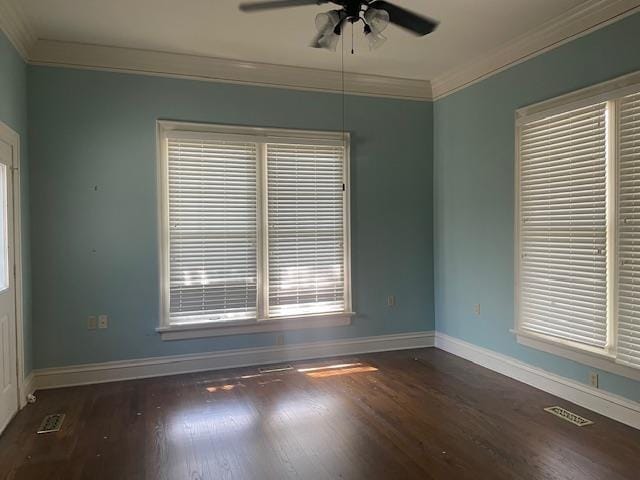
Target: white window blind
<point>212,230</point>
<point>563,226</point>
<point>629,231</point>
<point>306,229</point>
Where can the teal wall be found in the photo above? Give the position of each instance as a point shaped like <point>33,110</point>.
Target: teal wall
<point>474,190</point>
<point>432,194</point>
<point>95,251</point>
<point>13,112</point>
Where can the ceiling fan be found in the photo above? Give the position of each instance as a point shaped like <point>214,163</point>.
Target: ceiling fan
<point>375,14</point>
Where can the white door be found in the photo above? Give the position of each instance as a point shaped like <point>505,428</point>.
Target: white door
<point>8,363</point>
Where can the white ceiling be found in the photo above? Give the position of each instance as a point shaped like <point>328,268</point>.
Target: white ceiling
<point>216,28</point>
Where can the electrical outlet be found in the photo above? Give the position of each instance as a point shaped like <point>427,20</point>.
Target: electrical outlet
<point>593,379</point>
<point>391,301</point>
<point>92,322</point>
<point>103,321</point>
<point>280,340</point>
<point>476,309</point>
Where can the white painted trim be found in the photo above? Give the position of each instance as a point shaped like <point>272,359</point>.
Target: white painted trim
<point>612,179</point>
<point>162,204</point>
<point>601,361</point>
<point>171,365</point>
<point>12,138</point>
<point>167,129</point>
<point>262,233</point>
<point>149,62</point>
<point>601,92</point>
<point>248,133</point>
<point>346,219</point>
<point>16,26</point>
<point>218,329</point>
<point>577,22</point>
<point>599,401</point>
<point>517,256</point>
<point>29,386</point>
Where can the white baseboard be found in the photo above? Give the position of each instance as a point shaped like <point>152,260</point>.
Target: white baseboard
<point>28,387</point>
<point>599,401</point>
<point>607,404</point>
<point>161,366</point>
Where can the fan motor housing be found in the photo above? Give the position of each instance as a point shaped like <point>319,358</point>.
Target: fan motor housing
<point>352,8</point>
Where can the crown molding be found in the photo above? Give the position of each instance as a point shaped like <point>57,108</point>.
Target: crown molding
<point>150,62</point>
<point>16,26</point>
<point>579,21</point>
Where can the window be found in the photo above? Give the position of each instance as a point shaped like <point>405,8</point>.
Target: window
<point>254,226</point>
<point>305,198</point>
<point>628,241</point>
<point>578,226</point>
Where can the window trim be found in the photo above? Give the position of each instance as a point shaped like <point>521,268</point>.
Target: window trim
<point>260,135</point>
<point>240,327</point>
<point>610,92</point>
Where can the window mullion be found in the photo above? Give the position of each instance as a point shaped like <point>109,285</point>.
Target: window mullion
<point>262,253</point>
<point>346,212</point>
<point>613,119</point>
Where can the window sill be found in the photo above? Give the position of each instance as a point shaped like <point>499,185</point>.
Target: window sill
<point>590,357</point>
<point>211,329</point>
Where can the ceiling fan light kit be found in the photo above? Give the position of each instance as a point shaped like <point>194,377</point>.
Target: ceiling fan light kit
<point>374,14</point>
<point>328,25</point>
<point>376,40</point>
<point>375,21</point>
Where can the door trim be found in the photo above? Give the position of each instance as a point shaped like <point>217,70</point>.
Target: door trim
<point>11,137</point>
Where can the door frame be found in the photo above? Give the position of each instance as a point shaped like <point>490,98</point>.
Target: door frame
<point>8,135</point>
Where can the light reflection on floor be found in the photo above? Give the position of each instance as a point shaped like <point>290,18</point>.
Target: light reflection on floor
<point>230,386</point>
<point>234,421</point>
<point>224,418</point>
<point>323,371</point>
<point>324,367</point>
<point>332,372</point>
<point>338,369</point>
<point>225,388</point>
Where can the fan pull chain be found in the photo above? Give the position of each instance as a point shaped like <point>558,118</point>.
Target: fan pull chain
<point>352,52</point>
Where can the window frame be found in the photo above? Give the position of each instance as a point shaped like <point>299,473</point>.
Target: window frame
<point>609,92</point>
<point>261,136</point>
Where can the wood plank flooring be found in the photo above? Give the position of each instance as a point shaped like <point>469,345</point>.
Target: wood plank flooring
<point>421,414</point>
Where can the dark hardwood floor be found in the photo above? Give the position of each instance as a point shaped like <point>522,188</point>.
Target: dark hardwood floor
<point>420,414</point>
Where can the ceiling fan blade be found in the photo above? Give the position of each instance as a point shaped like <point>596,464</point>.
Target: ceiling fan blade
<point>272,4</point>
<point>404,18</point>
